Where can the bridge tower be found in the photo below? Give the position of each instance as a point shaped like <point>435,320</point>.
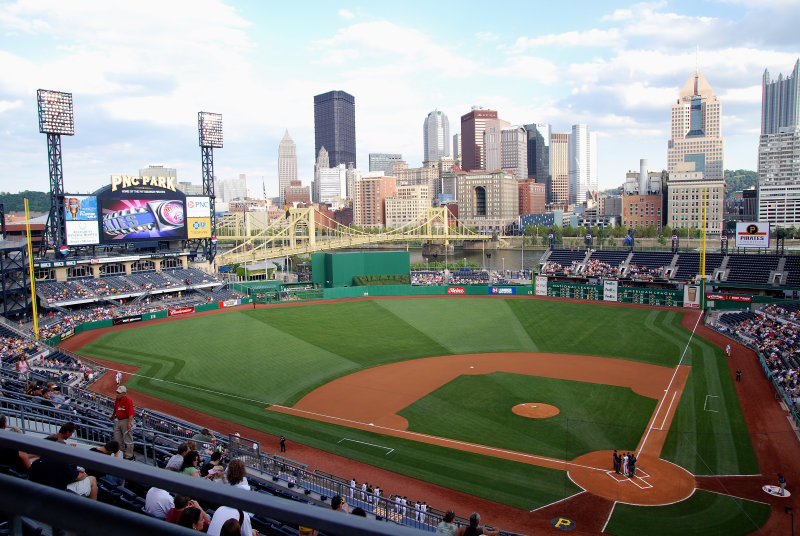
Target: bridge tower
<point>302,219</point>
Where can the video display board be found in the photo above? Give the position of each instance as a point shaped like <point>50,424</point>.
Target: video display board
<point>80,220</point>
<point>141,209</point>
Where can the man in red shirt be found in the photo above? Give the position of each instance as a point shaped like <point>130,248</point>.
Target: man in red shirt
<point>123,425</point>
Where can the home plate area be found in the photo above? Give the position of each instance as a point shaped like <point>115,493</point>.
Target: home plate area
<point>639,480</point>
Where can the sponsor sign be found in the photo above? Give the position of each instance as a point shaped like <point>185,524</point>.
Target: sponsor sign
<point>180,311</point>
<point>691,296</point>
<point>67,334</point>
<point>80,208</point>
<point>610,290</point>
<point>456,290</point>
<point>126,320</point>
<point>80,220</point>
<point>198,207</point>
<point>127,182</point>
<point>752,234</point>
<point>230,303</point>
<point>541,285</point>
<point>741,298</point>
<point>728,297</point>
<point>198,228</point>
<point>502,290</point>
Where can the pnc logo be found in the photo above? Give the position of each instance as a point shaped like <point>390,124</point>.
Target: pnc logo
<point>456,290</point>
<point>199,225</point>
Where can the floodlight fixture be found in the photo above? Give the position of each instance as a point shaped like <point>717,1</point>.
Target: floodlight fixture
<point>55,112</point>
<point>210,128</point>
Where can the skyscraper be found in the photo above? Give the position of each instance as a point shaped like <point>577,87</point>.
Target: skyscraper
<point>539,156</point>
<point>335,126</point>
<point>779,150</point>
<point>287,165</point>
<point>323,162</point>
<point>582,163</point>
<point>473,124</point>
<point>696,130</point>
<point>436,135</point>
<point>514,151</point>
<point>559,164</point>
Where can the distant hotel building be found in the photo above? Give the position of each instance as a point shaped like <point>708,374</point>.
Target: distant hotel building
<point>514,151</point>
<point>473,126</point>
<point>685,191</point>
<point>532,196</point>
<point>779,150</point>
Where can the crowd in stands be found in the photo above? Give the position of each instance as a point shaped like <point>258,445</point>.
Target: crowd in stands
<point>553,268</point>
<point>600,268</point>
<point>775,331</point>
<point>644,273</point>
<point>13,347</point>
<point>122,284</point>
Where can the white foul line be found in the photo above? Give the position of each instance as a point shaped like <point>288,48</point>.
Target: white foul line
<point>669,386</point>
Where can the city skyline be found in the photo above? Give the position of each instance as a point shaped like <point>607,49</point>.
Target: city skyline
<point>617,68</point>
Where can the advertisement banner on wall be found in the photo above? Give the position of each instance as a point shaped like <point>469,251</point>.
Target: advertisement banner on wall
<point>691,296</point>
<point>126,320</point>
<point>198,228</point>
<point>198,207</point>
<point>502,290</point>
<point>180,311</point>
<point>541,285</point>
<point>610,290</point>
<point>752,234</point>
<point>81,220</point>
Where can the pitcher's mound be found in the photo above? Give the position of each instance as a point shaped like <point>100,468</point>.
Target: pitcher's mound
<point>535,410</point>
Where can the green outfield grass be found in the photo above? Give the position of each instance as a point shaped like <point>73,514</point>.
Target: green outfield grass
<point>235,364</point>
<point>702,513</point>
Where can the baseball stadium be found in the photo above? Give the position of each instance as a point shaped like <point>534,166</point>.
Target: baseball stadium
<point>583,393</point>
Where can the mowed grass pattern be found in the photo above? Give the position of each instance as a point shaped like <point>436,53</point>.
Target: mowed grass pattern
<point>478,409</point>
<point>236,363</point>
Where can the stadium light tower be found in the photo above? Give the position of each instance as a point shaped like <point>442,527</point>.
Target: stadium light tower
<point>55,119</point>
<point>210,129</point>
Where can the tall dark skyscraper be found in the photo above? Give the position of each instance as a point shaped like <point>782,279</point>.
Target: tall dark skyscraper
<point>335,126</point>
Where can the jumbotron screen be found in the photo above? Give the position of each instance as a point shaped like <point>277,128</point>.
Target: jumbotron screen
<point>142,218</point>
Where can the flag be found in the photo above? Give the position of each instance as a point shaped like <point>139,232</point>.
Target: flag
<point>286,208</point>
<point>266,203</point>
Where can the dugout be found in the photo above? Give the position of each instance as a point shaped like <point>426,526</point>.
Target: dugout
<point>331,270</point>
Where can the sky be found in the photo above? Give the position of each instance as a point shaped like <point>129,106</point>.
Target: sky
<point>140,71</point>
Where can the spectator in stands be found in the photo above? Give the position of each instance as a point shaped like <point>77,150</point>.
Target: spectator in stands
<point>235,475</point>
<point>232,528</point>
<point>475,528</point>
<point>339,504</point>
<point>358,511</point>
<point>111,448</point>
<point>158,503</point>
<point>183,503</point>
<point>223,514</point>
<point>16,459</point>
<point>191,464</point>
<point>23,368</point>
<point>64,433</point>
<point>175,462</point>
<point>123,427</point>
<point>61,475</point>
<point>447,525</point>
<point>193,518</point>
<point>55,395</point>
<point>213,467</point>
<point>204,436</point>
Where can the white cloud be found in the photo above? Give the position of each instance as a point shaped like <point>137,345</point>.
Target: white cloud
<point>345,14</point>
<point>9,105</point>
<point>528,67</point>
<point>591,38</point>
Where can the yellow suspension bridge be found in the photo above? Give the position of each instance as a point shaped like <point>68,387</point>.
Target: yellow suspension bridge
<point>307,231</point>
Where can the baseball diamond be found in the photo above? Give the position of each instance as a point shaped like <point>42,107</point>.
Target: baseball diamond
<point>450,384</point>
